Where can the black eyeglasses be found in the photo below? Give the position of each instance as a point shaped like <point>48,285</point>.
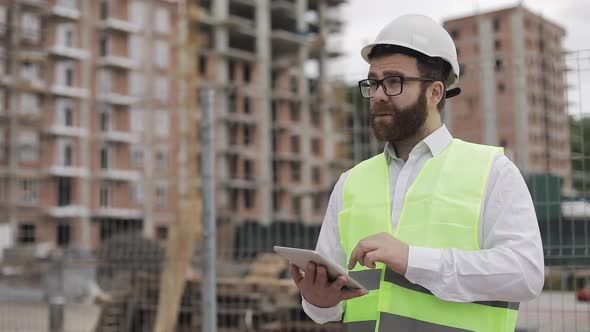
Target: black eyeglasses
<point>392,85</point>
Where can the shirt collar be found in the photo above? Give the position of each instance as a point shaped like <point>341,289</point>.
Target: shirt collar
<point>435,143</point>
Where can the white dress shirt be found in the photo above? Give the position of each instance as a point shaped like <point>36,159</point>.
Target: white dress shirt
<point>509,267</point>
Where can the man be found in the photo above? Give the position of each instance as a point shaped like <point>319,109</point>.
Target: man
<point>441,232</point>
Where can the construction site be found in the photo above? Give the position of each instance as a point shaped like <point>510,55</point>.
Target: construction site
<point>152,153</point>
<point>106,98</point>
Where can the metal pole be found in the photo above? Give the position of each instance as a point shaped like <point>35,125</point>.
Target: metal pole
<point>56,314</point>
<point>87,64</point>
<point>54,290</point>
<point>13,111</point>
<point>209,290</point>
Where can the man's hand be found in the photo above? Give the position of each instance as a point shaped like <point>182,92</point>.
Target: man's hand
<point>317,290</point>
<point>381,247</point>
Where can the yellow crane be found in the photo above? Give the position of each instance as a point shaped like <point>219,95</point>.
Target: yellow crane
<point>188,229</point>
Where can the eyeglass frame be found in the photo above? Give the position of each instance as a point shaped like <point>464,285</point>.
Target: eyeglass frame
<point>402,79</point>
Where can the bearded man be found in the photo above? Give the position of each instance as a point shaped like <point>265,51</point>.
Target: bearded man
<point>441,232</point>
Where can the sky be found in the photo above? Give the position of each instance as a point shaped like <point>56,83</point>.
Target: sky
<point>364,18</point>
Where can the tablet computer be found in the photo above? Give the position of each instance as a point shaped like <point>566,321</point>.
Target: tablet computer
<point>302,257</point>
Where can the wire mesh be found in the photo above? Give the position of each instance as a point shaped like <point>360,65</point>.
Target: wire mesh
<point>115,286</point>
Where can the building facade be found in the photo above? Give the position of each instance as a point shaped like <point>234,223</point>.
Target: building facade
<point>90,93</point>
<point>87,119</point>
<point>514,88</point>
<point>278,119</point>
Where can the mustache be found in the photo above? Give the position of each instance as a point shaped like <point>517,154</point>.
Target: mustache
<point>383,109</point>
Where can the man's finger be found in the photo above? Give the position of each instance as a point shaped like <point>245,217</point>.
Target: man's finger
<point>338,283</point>
<point>321,278</point>
<point>296,274</point>
<point>347,295</point>
<point>310,273</point>
<point>362,259</point>
<point>356,255</point>
<point>370,259</point>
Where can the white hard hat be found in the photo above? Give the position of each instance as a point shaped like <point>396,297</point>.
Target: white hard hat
<point>422,34</point>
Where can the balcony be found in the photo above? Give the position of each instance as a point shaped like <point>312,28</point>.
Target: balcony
<point>283,126</point>
<point>239,23</point>
<point>31,117</point>
<point>284,37</point>
<point>70,211</point>
<point>232,149</point>
<point>40,4</point>
<point>60,130</point>
<point>285,43</point>
<point>117,213</point>
<point>117,99</point>
<point>239,183</point>
<point>69,91</point>
<point>294,189</point>
<point>284,215</point>
<point>233,117</point>
<point>118,175</point>
<point>36,85</point>
<point>282,93</point>
<point>287,156</point>
<point>67,171</point>
<point>30,55</point>
<point>314,4</point>
<point>285,6</point>
<point>251,3</point>
<point>117,62</point>
<point>118,25</point>
<point>65,12</point>
<point>69,52</point>
<point>243,44</point>
<point>120,137</point>
<point>239,54</point>
<point>285,62</point>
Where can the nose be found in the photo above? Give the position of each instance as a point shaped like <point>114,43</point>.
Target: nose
<point>379,95</point>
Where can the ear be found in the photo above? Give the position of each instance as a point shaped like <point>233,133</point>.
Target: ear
<point>436,93</point>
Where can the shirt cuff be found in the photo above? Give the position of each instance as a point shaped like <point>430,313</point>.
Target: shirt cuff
<point>423,264</point>
<point>322,315</point>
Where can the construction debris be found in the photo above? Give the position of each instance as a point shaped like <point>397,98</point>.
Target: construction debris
<point>260,301</point>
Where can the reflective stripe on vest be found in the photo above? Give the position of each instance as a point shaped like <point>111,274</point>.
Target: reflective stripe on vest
<point>439,211</point>
<point>390,322</point>
<point>400,280</point>
<point>370,279</point>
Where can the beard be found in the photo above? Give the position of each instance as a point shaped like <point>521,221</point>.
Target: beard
<point>399,123</point>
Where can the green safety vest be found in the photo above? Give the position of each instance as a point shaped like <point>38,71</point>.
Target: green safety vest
<point>441,210</point>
